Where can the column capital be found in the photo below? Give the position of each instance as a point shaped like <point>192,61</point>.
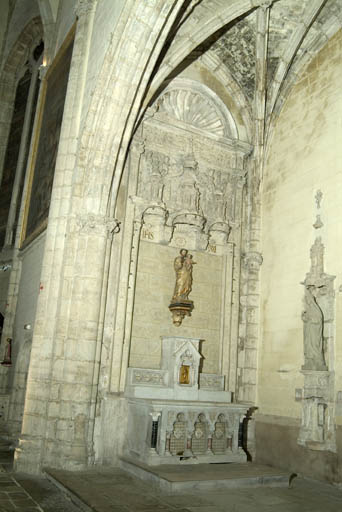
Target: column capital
<point>253,260</point>
<point>84,7</point>
<point>266,4</point>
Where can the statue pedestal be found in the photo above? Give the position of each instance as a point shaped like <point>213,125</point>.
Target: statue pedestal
<point>317,430</point>
<point>180,309</point>
<point>176,414</point>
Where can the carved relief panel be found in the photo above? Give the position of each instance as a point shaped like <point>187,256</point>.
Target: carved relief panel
<point>184,185</point>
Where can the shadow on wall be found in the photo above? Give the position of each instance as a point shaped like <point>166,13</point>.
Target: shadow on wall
<point>276,445</point>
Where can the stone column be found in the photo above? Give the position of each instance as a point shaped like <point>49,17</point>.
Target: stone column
<point>127,277</point>
<point>240,182</point>
<point>250,324</point>
<point>59,407</point>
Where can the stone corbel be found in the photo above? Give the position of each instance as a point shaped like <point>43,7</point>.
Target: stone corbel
<point>218,237</point>
<point>188,231</point>
<point>154,228</point>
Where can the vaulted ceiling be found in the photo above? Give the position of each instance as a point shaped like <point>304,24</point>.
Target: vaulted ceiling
<point>228,30</point>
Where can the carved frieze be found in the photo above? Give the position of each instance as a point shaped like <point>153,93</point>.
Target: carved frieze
<point>148,377</point>
<point>89,224</point>
<point>211,381</point>
<point>181,185</point>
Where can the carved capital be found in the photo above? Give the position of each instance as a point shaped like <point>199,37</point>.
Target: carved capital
<point>84,7</point>
<point>266,4</point>
<point>253,260</point>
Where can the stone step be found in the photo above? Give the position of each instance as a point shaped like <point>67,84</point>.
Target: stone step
<point>207,477</point>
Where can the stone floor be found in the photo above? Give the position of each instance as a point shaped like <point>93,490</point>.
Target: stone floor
<point>26,493</point>
<point>113,490</point>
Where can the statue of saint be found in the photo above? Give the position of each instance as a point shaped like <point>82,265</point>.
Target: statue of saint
<point>312,317</point>
<point>183,268</point>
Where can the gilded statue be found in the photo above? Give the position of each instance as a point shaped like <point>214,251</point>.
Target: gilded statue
<point>312,317</point>
<point>180,305</point>
<point>183,268</point>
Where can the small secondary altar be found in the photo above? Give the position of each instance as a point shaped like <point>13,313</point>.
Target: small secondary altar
<point>177,414</point>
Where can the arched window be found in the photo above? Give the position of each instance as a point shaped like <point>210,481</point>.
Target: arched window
<point>18,144</point>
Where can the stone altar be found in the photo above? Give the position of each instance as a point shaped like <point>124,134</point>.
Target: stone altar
<point>177,414</point>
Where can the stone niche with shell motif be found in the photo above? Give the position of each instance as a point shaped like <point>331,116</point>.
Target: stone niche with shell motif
<point>186,191</point>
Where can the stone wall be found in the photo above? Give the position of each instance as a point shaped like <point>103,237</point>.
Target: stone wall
<point>280,434</point>
<point>4,279</point>
<point>29,288</point>
<point>304,156</point>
